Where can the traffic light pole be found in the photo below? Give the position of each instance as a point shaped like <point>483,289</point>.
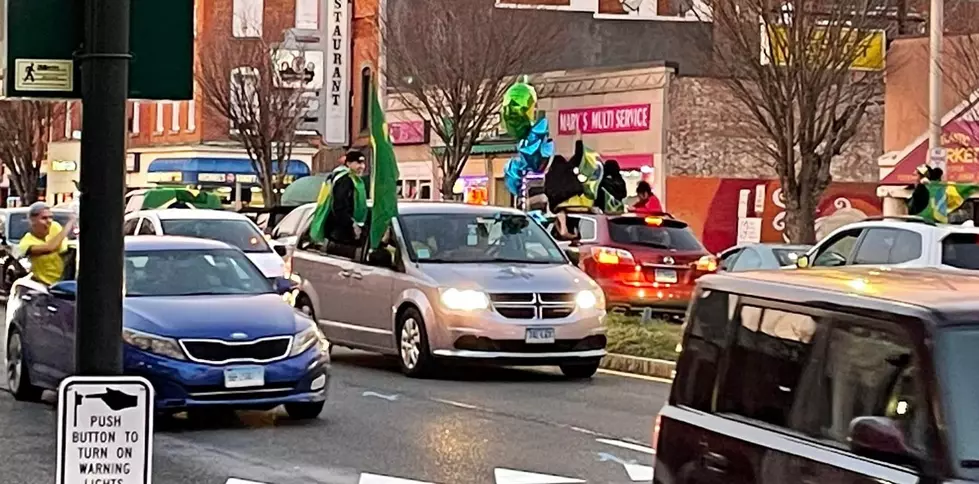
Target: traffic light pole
<point>105,76</point>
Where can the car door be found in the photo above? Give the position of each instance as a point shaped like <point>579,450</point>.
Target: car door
<point>59,316</point>
<point>837,250</point>
<point>40,332</point>
<point>327,279</point>
<point>371,292</point>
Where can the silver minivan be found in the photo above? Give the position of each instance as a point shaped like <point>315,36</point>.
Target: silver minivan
<point>455,282</point>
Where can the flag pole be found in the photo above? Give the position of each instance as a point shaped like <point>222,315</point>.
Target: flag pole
<point>370,115</point>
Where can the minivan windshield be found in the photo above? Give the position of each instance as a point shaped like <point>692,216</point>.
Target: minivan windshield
<point>653,232</point>
<point>470,238</point>
<point>957,361</point>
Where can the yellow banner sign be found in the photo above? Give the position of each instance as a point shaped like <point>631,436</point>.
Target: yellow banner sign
<point>870,54</point>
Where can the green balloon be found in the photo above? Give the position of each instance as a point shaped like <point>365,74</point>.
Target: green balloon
<point>519,109</point>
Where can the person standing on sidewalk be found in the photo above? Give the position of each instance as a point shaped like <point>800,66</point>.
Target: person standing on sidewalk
<point>44,245</point>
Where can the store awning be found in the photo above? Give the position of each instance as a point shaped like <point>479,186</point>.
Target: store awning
<point>213,170</point>
<point>488,148</point>
<point>960,137</point>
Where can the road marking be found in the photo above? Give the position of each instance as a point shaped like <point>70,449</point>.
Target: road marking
<point>242,481</point>
<point>639,473</point>
<point>389,398</point>
<point>510,476</point>
<point>628,445</point>
<point>635,376</point>
<point>461,405</point>
<point>378,479</point>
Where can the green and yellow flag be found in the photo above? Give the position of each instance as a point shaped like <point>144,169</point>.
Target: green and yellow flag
<point>384,176</point>
<point>945,198</point>
<point>324,203</point>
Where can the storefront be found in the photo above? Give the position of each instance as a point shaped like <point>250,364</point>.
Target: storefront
<point>230,178</point>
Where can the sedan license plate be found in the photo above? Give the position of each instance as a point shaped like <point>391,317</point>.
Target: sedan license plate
<point>666,275</point>
<point>539,335</point>
<point>244,377</point>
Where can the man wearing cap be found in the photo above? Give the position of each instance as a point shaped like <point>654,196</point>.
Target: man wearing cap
<point>348,213</point>
<point>45,244</point>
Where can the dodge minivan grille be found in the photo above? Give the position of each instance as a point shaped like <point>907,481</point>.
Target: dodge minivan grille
<point>531,305</point>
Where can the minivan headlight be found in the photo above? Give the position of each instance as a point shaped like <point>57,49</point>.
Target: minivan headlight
<point>152,343</point>
<point>306,338</point>
<point>586,300</point>
<point>464,299</point>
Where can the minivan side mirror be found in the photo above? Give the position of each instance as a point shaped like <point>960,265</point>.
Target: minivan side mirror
<point>880,438</point>
<point>66,290</point>
<point>802,262</point>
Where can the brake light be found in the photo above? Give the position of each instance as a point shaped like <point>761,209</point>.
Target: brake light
<point>707,263</point>
<point>655,221</point>
<point>609,255</point>
<point>656,427</point>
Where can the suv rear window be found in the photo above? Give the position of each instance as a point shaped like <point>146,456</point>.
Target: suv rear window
<point>654,232</point>
<point>961,250</point>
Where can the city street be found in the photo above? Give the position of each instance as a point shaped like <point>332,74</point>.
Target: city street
<point>475,425</point>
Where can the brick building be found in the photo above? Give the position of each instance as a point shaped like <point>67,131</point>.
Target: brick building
<point>187,142</point>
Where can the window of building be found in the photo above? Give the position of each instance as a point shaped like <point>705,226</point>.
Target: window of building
<point>175,117</point>
<point>191,115</point>
<point>68,127</point>
<point>365,99</point>
<point>159,117</point>
<point>134,126</point>
<point>248,17</point>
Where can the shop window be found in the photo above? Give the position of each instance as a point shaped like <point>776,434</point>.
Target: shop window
<point>365,99</point>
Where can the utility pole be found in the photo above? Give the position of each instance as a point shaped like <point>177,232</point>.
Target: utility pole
<point>935,31</point>
<point>105,85</point>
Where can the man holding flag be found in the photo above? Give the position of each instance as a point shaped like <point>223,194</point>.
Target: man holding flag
<point>341,210</point>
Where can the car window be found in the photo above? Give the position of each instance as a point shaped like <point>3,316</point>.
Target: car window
<point>729,258</point>
<point>237,233</point>
<point>192,272</point>
<point>957,360</point>
<point>749,260</point>
<point>129,228</point>
<point>655,232</point>
<point>290,224</point>
<point>961,250</point>
<point>788,257</point>
<point>837,251</point>
<point>20,225</point>
<point>586,227</point>
<point>146,228</point>
<point>703,344</point>
<point>472,238</point>
<point>888,246</point>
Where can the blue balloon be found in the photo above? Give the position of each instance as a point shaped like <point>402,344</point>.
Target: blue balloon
<point>513,174</point>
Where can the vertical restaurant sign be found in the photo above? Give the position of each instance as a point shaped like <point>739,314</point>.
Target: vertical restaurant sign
<point>605,119</point>
<point>408,132</point>
<point>336,131</point>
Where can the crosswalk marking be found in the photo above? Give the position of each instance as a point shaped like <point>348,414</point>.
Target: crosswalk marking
<point>510,476</point>
<point>628,445</point>
<point>378,479</point>
<point>241,481</point>
<point>639,473</point>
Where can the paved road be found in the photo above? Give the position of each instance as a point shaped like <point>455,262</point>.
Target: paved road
<point>473,426</point>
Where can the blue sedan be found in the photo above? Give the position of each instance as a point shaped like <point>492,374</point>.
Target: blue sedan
<point>200,322</point>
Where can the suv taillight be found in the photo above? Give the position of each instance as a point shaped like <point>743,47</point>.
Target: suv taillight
<point>707,263</point>
<point>612,256</point>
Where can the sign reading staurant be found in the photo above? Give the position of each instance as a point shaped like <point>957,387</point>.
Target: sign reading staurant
<point>337,75</point>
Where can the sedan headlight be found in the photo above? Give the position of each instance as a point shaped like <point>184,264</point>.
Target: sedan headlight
<point>586,300</point>
<point>306,338</point>
<point>152,343</point>
<point>464,299</point>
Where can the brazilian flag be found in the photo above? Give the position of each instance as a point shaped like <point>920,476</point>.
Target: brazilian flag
<point>943,199</point>
<point>384,176</point>
<point>324,203</point>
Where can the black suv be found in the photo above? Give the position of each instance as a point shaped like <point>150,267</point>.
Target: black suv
<point>848,375</point>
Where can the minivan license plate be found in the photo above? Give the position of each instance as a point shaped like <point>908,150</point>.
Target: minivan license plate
<point>666,275</point>
<point>244,377</point>
<point>539,335</point>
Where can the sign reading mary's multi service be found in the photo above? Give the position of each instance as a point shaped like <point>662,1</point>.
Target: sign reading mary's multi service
<point>337,75</point>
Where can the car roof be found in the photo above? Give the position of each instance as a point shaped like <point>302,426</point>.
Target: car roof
<point>945,295</point>
<point>802,247</point>
<point>438,208</point>
<point>914,224</point>
<point>25,209</point>
<point>171,242</point>
<point>192,214</point>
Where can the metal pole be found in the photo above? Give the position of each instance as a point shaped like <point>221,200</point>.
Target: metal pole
<point>105,77</point>
<point>935,74</point>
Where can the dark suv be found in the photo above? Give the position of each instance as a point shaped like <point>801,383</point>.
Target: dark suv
<point>849,375</point>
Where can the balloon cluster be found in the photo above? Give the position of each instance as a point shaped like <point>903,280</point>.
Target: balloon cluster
<point>534,147</point>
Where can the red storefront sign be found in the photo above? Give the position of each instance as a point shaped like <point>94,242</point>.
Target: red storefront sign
<point>604,119</point>
<point>960,139</point>
<point>408,132</point>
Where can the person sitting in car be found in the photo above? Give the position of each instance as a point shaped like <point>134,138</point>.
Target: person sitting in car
<point>45,244</point>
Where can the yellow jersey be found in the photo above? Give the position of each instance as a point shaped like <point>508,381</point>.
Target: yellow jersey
<point>47,268</point>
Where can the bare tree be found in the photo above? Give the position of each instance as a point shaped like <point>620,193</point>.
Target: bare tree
<point>243,81</point>
<point>451,64</point>
<point>790,65</point>
<point>25,131</point>
<point>961,68</point>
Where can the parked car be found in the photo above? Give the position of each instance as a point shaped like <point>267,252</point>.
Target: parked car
<point>232,228</point>
<point>641,261</point>
<point>13,226</point>
<point>200,322</point>
<point>455,282</point>
<point>843,375</point>
<point>899,242</point>
<point>751,257</point>
<point>286,232</point>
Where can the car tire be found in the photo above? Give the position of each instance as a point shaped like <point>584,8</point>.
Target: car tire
<point>580,371</point>
<point>18,378</point>
<point>414,354</point>
<point>304,411</point>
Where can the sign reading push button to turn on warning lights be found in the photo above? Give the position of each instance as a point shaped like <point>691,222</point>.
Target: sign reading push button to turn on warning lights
<point>105,430</point>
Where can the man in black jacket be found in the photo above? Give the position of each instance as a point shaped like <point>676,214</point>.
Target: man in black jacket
<point>344,223</point>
